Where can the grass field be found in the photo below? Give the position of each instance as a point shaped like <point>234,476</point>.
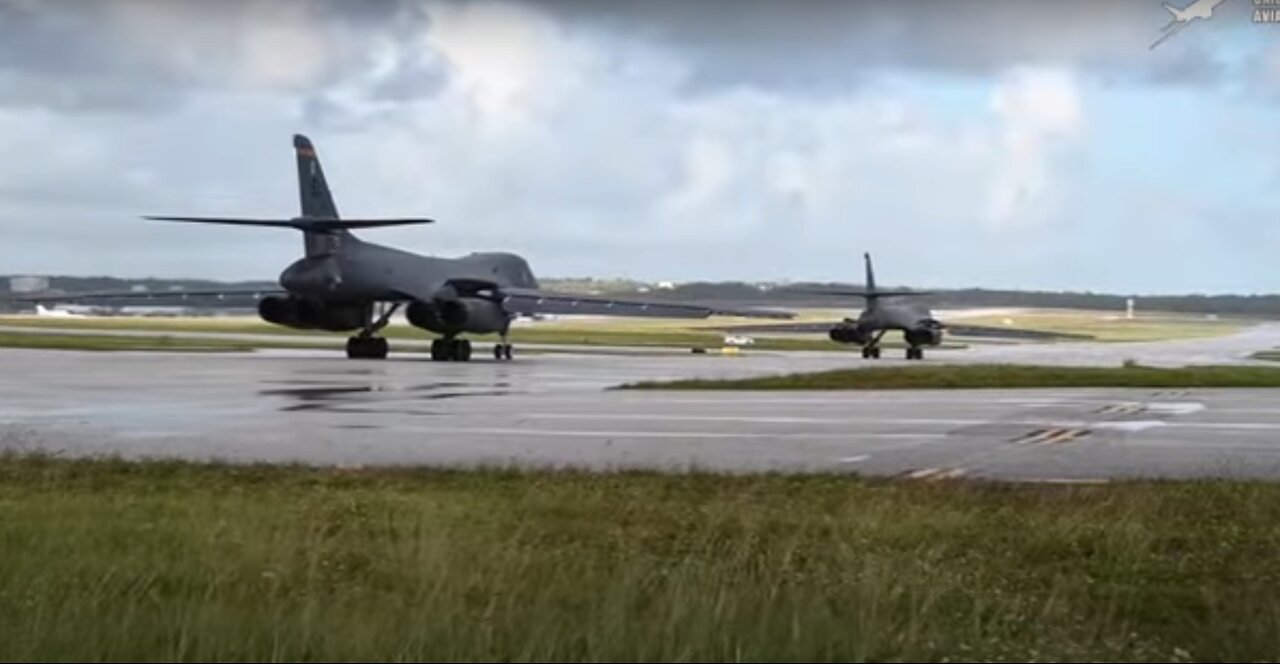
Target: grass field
<point>107,561</point>
<point>1111,325</point>
<point>978,376</point>
<point>623,332</point>
<point>691,333</point>
<point>106,342</point>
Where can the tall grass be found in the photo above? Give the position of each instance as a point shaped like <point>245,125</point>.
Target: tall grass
<point>152,562</point>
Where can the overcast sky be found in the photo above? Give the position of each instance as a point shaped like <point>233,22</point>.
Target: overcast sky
<point>989,143</point>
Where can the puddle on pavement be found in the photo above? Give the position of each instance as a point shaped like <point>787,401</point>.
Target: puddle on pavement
<point>316,393</point>
<point>345,398</point>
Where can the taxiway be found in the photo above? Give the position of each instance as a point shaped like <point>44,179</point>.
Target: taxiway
<point>555,410</point>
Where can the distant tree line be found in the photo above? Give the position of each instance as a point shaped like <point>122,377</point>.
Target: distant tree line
<point>1257,306</point>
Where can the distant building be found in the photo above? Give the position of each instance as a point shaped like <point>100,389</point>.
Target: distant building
<point>666,285</point>
<point>28,284</point>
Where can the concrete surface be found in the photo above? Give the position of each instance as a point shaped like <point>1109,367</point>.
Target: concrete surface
<point>314,406</point>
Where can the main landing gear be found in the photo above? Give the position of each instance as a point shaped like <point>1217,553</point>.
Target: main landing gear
<point>871,351</point>
<point>459,350</point>
<point>366,346</point>
<point>450,349</point>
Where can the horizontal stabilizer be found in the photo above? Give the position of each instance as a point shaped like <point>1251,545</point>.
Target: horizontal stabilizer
<point>859,292</point>
<point>300,223</point>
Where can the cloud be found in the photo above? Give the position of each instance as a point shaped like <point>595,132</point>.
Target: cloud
<point>668,141</point>
<point>147,54</point>
<point>142,55</point>
<point>828,46</point>
<point>1038,111</point>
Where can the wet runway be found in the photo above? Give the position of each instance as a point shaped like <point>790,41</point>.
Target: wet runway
<point>554,410</point>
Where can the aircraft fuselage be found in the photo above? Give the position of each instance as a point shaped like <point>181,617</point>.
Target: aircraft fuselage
<point>915,322</point>
<point>363,271</point>
<point>332,291</point>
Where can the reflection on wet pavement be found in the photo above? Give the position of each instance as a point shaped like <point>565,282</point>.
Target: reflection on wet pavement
<point>323,397</point>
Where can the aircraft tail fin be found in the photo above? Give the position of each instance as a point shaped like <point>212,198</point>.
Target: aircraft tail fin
<point>1178,13</point>
<point>318,221</point>
<point>869,291</point>
<point>313,190</point>
<point>871,274</point>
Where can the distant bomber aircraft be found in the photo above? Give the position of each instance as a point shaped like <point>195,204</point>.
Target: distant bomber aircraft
<point>919,327</point>
<point>341,282</point>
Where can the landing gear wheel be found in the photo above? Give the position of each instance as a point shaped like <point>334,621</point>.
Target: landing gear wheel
<point>871,352</point>
<point>915,353</point>
<point>502,351</point>
<point>456,350</point>
<point>367,348</point>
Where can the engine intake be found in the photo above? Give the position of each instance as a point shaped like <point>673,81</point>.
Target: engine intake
<point>848,334</point>
<point>306,314</point>
<point>924,337</point>
<point>456,315</point>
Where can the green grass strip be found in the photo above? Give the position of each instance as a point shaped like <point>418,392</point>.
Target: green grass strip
<point>978,376</point>
<point>111,561</point>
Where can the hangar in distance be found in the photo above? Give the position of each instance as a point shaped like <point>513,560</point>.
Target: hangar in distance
<point>344,283</point>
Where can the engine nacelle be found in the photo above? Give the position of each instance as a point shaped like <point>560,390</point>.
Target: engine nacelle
<point>849,334</point>
<point>924,336</point>
<point>456,315</point>
<point>305,314</point>
<point>278,311</point>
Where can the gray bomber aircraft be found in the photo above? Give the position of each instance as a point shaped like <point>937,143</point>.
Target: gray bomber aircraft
<point>343,283</point>
<point>919,327</point>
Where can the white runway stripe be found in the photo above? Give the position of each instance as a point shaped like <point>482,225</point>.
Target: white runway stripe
<point>853,437</point>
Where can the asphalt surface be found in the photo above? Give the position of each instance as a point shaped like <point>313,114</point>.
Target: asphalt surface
<point>553,410</point>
